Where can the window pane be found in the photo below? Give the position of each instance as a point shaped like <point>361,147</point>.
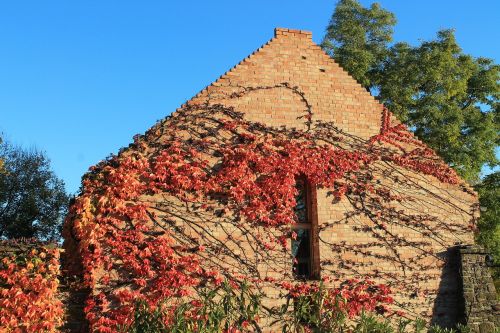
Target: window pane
<point>301,201</point>
<point>301,252</point>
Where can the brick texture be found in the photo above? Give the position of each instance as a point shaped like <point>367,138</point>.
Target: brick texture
<point>419,265</point>
<point>334,96</point>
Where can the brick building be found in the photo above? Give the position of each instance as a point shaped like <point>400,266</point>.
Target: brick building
<point>289,85</point>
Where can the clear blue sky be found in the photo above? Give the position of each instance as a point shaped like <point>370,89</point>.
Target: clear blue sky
<point>79,78</point>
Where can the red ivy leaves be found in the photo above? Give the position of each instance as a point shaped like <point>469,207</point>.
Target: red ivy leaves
<point>28,287</point>
<point>256,174</point>
<point>352,297</point>
<point>412,153</point>
<point>260,176</point>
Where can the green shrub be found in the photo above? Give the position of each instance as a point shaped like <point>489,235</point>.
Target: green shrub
<point>225,308</point>
<point>235,308</point>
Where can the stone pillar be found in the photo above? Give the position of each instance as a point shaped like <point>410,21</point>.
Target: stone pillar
<point>482,310</point>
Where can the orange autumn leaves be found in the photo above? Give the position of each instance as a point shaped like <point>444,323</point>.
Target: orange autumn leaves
<point>28,291</point>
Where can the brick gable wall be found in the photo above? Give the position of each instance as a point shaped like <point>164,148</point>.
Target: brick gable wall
<point>291,82</point>
<point>427,278</point>
<point>292,57</point>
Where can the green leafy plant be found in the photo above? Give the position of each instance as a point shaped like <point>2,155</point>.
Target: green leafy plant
<point>372,324</point>
<point>229,307</point>
<point>147,320</point>
<point>354,305</point>
<point>459,329</point>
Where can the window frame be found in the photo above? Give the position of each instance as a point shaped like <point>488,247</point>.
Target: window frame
<point>312,226</point>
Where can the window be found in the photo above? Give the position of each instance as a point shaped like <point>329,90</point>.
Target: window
<point>305,246</point>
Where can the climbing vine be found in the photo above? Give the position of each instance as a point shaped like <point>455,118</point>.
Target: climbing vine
<point>28,287</point>
<point>138,219</point>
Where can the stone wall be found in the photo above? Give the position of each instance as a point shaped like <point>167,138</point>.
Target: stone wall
<point>482,309</point>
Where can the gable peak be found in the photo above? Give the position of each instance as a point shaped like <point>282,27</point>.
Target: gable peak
<point>284,32</point>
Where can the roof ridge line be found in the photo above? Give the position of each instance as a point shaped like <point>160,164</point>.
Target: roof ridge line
<point>231,69</point>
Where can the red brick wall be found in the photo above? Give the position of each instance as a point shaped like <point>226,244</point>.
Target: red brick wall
<point>292,57</point>
<point>291,82</point>
<point>333,96</point>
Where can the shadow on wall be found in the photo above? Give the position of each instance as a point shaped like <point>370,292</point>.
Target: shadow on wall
<point>448,308</point>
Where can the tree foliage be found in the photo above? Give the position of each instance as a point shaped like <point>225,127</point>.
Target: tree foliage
<point>357,38</point>
<point>489,224</point>
<point>33,200</point>
<point>448,98</point>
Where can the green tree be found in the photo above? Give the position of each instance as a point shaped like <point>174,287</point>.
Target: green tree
<point>489,223</point>
<point>448,98</point>
<point>357,38</point>
<point>33,200</point>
